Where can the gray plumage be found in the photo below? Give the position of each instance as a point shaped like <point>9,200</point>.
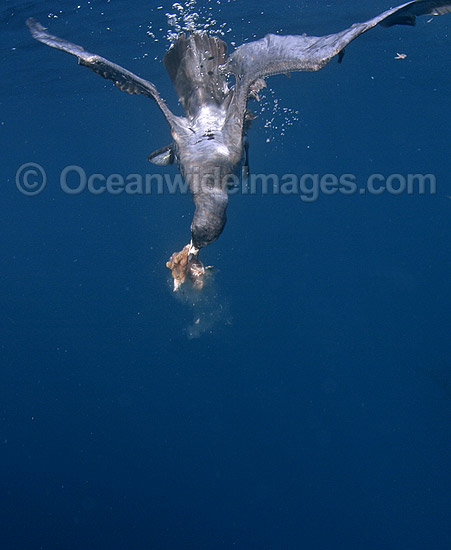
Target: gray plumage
<point>209,139</point>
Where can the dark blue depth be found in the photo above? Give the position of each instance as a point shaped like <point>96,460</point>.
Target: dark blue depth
<point>309,406</point>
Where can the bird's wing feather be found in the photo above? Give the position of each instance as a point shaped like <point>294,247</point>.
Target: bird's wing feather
<point>123,79</point>
<point>282,54</point>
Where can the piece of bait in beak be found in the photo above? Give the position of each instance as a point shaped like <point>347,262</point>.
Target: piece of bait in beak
<point>177,264</point>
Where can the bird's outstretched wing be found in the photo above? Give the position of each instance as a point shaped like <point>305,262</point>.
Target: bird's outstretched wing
<point>123,79</point>
<point>282,54</point>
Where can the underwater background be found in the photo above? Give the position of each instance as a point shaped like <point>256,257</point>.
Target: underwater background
<point>303,400</point>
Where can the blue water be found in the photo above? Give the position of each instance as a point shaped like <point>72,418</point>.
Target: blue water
<point>304,402</point>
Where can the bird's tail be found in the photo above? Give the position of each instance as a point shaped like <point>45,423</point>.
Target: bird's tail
<point>192,64</point>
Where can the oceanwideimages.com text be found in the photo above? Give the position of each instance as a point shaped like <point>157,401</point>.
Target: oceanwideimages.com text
<point>31,180</point>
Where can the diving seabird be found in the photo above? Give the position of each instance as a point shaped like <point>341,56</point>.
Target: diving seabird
<point>208,142</point>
